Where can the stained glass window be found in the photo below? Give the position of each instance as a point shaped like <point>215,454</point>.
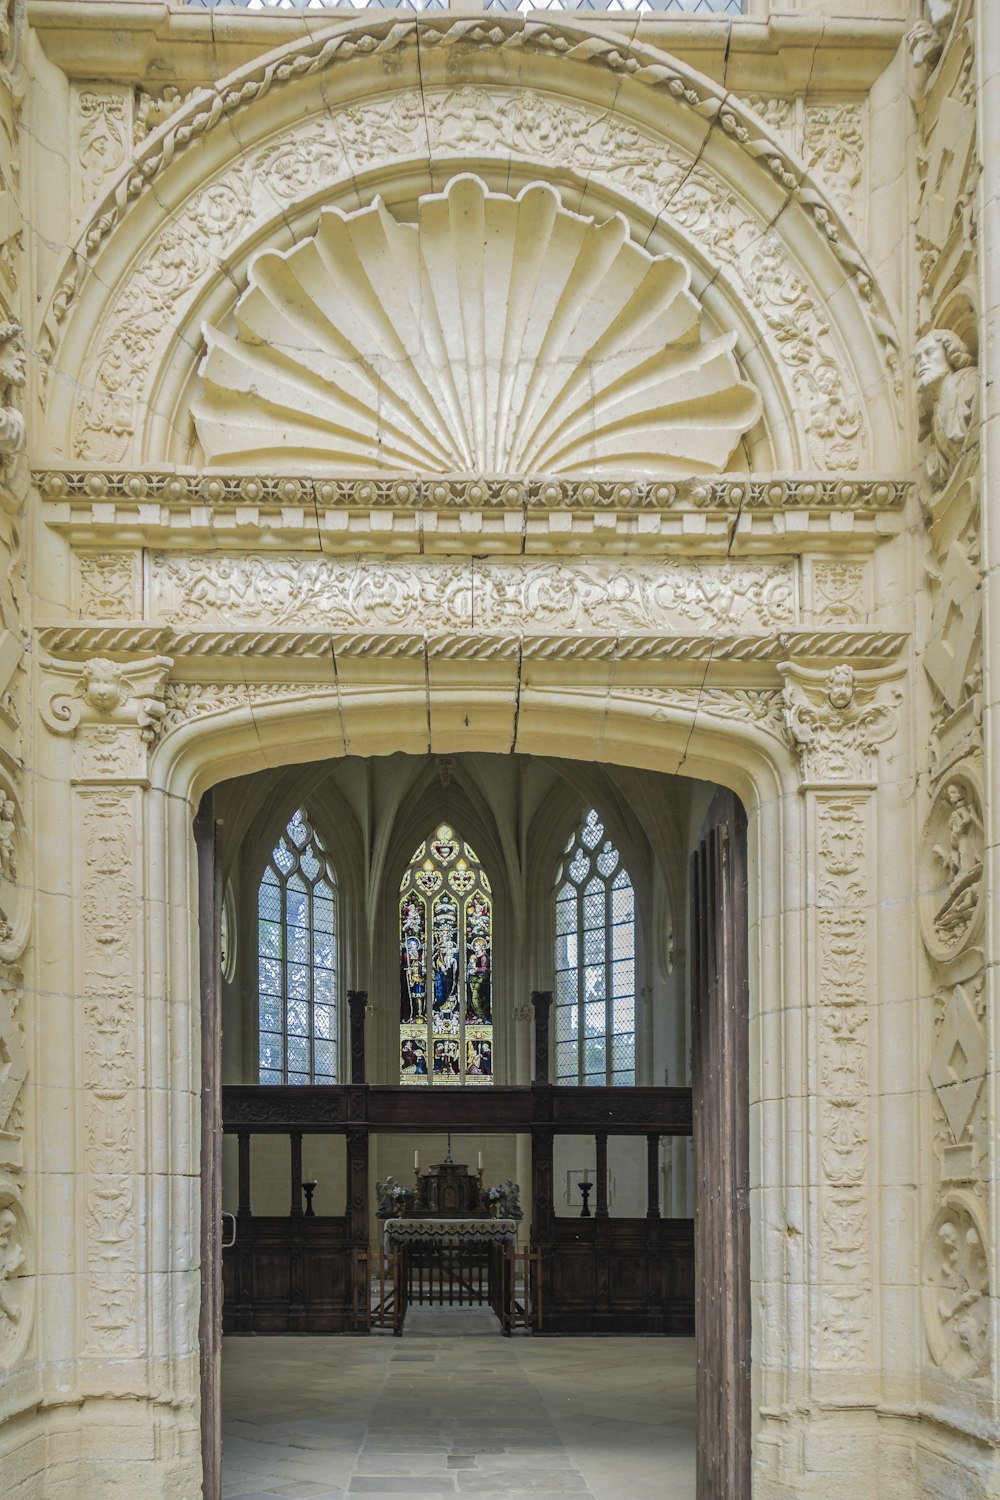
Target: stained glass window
<point>297,960</point>
<point>445,965</point>
<point>595,961</point>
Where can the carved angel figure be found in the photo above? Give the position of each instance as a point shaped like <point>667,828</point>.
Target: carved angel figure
<point>962,858</point>
<point>948,383</point>
<point>11,1261</point>
<point>12,377</point>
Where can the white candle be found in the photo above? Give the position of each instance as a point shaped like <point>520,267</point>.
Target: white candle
<point>480,1163</point>
<point>416,1161</point>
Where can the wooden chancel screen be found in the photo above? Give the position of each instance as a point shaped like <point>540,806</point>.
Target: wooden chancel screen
<point>719,1061</point>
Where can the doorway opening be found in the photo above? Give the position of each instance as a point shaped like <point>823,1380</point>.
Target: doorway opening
<point>543,957</point>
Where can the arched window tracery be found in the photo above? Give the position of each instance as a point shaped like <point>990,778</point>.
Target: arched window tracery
<point>594,961</point>
<point>297,960</point>
<point>446,964</point>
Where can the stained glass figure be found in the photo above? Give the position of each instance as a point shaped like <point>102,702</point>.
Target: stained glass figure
<point>446,952</point>
<point>297,960</point>
<point>594,961</point>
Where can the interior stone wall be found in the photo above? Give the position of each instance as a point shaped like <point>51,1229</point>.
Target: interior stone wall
<point>787,591</point>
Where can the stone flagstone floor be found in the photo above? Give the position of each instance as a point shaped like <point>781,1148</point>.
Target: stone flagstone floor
<point>452,1409</point>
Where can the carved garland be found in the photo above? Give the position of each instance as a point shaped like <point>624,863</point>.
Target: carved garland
<point>209,107</point>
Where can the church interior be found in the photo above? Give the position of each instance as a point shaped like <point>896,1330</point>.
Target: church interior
<point>499,816</point>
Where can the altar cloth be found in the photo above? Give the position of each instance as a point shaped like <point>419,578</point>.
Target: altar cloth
<point>412,1230</point>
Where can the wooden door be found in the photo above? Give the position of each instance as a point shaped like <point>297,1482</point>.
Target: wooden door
<point>207,839</point>
<point>719,1064</point>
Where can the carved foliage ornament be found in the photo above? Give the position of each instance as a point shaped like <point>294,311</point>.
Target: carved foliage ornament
<point>838,719</point>
<point>496,333</point>
<point>470,595</point>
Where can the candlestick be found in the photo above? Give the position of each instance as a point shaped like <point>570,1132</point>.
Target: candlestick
<point>479,1163</point>
<point>416,1161</point>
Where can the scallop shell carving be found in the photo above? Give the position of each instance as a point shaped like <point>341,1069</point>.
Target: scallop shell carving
<point>496,334</point>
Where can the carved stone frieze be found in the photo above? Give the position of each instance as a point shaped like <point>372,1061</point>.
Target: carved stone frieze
<point>470,595</point>
<point>107,883</point>
<point>816,494</point>
<point>841,591</point>
<point>838,719</point>
<point>957,1287</point>
<point>760,708</point>
<point>952,855</point>
<point>842,982</point>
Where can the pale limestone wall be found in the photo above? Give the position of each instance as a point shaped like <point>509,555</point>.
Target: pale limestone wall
<point>805,630</point>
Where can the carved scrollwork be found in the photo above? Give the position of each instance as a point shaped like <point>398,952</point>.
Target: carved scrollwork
<point>838,719</point>
<point>106,693</point>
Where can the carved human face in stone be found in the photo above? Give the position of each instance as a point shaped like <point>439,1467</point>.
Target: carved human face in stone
<point>104,689</point>
<point>840,687</point>
<point>930,362</point>
<point>12,360</point>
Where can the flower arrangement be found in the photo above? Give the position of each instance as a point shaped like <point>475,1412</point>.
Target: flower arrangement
<point>503,1200</point>
<point>393,1199</point>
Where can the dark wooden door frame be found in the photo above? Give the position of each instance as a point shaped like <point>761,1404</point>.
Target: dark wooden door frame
<point>721,1107</point>
<point>207,833</point>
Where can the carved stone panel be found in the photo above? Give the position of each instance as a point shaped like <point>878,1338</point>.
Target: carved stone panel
<point>952,852</point>
<point>956,1287</point>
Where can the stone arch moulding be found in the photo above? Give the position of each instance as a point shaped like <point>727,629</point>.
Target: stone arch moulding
<point>613,127</point>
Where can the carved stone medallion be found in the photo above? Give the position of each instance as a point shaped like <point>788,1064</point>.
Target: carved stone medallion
<point>951,907</point>
<point>956,1287</point>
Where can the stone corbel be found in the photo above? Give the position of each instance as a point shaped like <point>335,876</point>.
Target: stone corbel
<point>107,694</point>
<point>837,719</point>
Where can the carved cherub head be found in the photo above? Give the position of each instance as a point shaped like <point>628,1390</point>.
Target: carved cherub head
<point>13,371</point>
<point>840,687</point>
<point>102,685</point>
<point>937,355</point>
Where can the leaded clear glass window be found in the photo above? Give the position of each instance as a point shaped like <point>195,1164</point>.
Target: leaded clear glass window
<point>595,961</point>
<point>297,960</point>
<point>445,964</point>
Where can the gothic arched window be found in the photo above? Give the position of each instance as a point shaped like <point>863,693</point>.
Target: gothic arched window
<point>445,965</point>
<point>595,961</point>
<point>297,960</point>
